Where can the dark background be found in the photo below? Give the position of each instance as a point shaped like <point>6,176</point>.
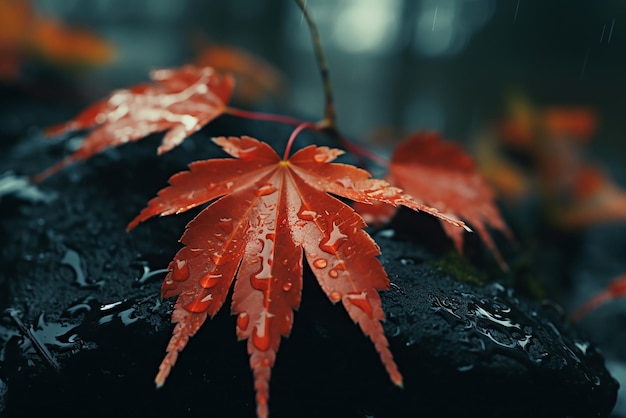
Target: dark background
<point>447,65</point>
<point>436,64</point>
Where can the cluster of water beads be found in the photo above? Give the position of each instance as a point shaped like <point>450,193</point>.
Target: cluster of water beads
<point>75,330</point>
<point>263,232</point>
<point>503,327</point>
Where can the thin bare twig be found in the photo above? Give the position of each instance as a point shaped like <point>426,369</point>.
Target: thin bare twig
<point>329,121</point>
<point>39,346</point>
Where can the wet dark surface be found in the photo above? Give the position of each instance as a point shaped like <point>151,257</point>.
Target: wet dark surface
<point>86,328</point>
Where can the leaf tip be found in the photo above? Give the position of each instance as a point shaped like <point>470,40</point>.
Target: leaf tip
<point>159,381</point>
<point>132,224</point>
<point>262,410</point>
<point>164,371</point>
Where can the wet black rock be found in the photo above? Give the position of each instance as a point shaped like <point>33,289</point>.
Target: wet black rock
<point>84,327</point>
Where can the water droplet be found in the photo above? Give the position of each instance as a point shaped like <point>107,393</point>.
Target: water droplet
<point>345,182</point>
<point>307,215</point>
<point>287,286</point>
<point>210,280</point>
<point>226,224</point>
<point>169,286</point>
<point>320,263</point>
<point>266,189</point>
<point>261,339</point>
<point>259,283</point>
<point>335,296</point>
<point>320,158</point>
<point>180,271</point>
<point>200,304</point>
<point>72,259</point>
<point>582,346</point>
<point>333,273</point>
<point>128,317</point>
<point>333,240</point>
<point>339,265</point>
<point>360,301</point>
<point>149,274</point>
<point>245,152</point>
<point>243,319</point>
<point>218,258</point>
<point>465,368</point>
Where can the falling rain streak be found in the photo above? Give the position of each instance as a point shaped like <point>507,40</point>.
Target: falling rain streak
<point>610,34</point>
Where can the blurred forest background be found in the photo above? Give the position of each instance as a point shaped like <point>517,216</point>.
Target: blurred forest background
<point>520,71</point>
<point>542,82</point>
<point>406,64</point>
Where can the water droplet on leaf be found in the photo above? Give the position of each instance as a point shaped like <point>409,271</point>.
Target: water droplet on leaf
<point>180,271</point>
<point>333,240</point>
<point>218,258</point>
<point>226,224</point>
<point>265,189</point>
<point>243,319</point>
<point>210,280</point>
<point>307,215</point>
<point>320,158</point>
<point>320,263</point>
<point>200,304</point>
<point>360,301</point>
<point>261,342</point>
<point>259,283</point>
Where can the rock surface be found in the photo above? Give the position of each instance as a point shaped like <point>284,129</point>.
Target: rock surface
<point>85,328</point>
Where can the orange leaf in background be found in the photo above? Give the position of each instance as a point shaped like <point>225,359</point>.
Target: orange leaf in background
<point>594,199</point>
<point>181,101</point>
<point>442,175</point>
<point>575,122</point>
<point>15,17</point>
<point>505,176</point>
<point>527,126</point>
<point>59,44</point>
<point>255,77</point>
<point>575,194</point>
<point>25,35</point>
<point>269,211</point>
<point>616,289</point>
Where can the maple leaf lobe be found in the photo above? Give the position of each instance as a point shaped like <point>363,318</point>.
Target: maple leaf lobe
<point>180,102</point>
<point>264,215</point>
<point>442,174</point>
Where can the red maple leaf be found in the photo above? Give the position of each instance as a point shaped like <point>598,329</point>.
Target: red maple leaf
<point>181,102</point>
<point>616,289</point>
<point>268,211</point>
<point>443,175</point>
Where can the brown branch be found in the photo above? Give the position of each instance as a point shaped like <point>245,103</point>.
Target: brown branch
<point>329,121</point>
